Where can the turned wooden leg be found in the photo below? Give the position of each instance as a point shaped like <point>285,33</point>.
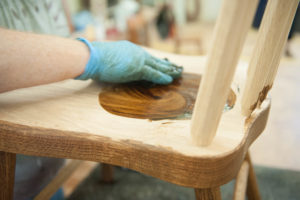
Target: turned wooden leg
<point>208,194</point>
<point>7,175</point>
<point>107,173</point>
<point>241,182</point>
<point>252,186</point>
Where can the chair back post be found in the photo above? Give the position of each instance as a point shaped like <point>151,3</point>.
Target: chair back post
<point>230,32</point>
<point>269,46</point>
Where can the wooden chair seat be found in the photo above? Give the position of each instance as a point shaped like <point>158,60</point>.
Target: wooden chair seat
<point>65,120</point>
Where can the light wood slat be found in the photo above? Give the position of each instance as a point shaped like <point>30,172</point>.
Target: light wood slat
<point>63,174</point>
<point>241,182</point>
<point>267,52</point>
<point>229,35</point>
<point>252,186</point>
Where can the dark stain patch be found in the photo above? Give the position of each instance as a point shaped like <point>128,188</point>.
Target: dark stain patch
<point>248,121</point>
<point>261,97</point>
<point>145,100</point>
<point>263,94</point>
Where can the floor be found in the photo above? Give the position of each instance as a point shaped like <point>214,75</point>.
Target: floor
<point>275,184</point>
<point>279,145</point>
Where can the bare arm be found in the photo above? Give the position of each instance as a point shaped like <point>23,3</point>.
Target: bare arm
<point>28,59</point>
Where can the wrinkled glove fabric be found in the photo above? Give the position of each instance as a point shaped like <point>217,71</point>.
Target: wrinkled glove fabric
<point>123,61</point>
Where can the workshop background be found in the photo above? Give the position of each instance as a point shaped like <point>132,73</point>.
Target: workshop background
<point>185,27</point>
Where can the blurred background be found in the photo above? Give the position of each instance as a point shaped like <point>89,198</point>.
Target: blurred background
<point>177,26</point>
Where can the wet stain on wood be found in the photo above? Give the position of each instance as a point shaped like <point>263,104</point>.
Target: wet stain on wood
<point>145,100</point>
<point>261,97</point>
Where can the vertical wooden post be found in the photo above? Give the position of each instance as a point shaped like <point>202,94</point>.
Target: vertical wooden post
<point>252,186</point>
<point>241,182</point>
<point>7,175</point>
<point>63,174</point>
<point>107,173</point>
<point>208,194</point>
<point>269,46</point>
<point>229,35</point>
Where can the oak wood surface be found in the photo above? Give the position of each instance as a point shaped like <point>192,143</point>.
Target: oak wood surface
<point>65,120</point>
<point>7,175</point>
<point>272,37</point>
<point>230,33</point>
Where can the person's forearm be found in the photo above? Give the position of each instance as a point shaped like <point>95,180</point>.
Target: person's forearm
<point>28,59</point>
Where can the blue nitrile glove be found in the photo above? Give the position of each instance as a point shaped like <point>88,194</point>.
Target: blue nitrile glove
<point>123,61</point>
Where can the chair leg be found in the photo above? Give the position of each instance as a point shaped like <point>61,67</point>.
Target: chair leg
<point>252,186</point>
<point>63,174</point>
<point>241,182</point>
<point>7,175</point>
<point>208,194</point>
<point>107,172</point>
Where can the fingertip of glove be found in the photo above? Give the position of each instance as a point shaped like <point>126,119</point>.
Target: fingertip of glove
<point>164,80</point>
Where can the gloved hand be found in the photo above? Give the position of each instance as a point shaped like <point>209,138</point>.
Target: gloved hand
<point>123,61</point>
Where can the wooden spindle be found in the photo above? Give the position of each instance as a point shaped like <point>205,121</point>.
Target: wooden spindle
<point>252,185</point>
<point>7,175</point>
<point>272,37</point>
<point>107,172</point>
<point>229,35</point>
<point>208,194</point>
<point>241,182</point>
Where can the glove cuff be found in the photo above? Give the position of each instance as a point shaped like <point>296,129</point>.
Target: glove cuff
<point>91,66</point>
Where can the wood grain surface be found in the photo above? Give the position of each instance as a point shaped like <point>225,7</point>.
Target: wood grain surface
<point>145,100</point>
<point>157,161</point>
<point>65,120</point>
